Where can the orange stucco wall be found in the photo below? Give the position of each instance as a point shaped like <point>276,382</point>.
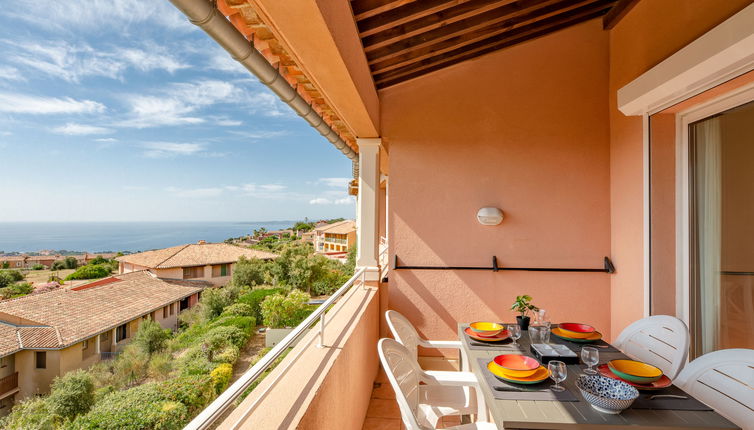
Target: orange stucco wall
<point>524,129</point>
<point>649,33</point>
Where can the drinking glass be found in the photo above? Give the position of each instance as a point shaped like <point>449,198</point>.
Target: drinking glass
<point>535,334</point>
<point>515,332</point>
<point>558,373</point>
<point>545,332</point>
<point>540,316</point>
<point>590,356</point>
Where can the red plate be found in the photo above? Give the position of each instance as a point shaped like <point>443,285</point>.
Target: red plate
<point>496,338</point>
<point>659,384</point>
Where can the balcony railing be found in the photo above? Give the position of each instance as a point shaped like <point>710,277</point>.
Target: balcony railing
<point>108,355</point>
<point>336,240</point>
<point>9,383</point>
<point>225,401</point>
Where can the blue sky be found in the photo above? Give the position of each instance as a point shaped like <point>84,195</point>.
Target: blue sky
<point>124,111</point>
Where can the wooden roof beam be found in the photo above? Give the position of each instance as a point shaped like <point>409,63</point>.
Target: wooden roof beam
<point>403,14</point>
<point>368,8</point>
<point>617,13</point>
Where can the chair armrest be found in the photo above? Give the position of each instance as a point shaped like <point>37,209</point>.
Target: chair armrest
<point>452,344</point>
<point>457,379</point>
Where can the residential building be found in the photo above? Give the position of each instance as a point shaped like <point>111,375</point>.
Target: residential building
<point>572,118</point>
<point>46,260</point>
<point>46,335</point>
<point>211,262</point>
<point>335,238</point>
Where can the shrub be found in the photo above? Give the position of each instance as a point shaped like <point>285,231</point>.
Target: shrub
<point>255,298</point>
<point>130,367</point>
<point>191,317</point>
<point>71,262</point>
<point>228,355</point>
<point>239,309</point>
<point>138,408</point>
<point>280,311</point>
<point>89,272</point>
<point>244,323</point>
<point>71,394</point>
<point>5,265</point>
<point>250,272</point>
<point>38,267</point>
<point>16,290</point>
<point>151,337</point>
<point>160,366</point>
<point>220,337</point>
<point>194,391</point>
<point>58,265</point>
<point>195,361</point>
<point>221,377</point>
<point>32,413</point>
<point>15,275</point>
<point>213,302</point>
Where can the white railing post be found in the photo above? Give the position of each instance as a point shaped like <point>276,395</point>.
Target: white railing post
<point>321,331</point>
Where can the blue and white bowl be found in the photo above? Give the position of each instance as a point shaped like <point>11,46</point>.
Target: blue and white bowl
<point>607,395</point>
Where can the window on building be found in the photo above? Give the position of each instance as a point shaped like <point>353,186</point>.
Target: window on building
<point>193,272</point>
<point>184,304</point>
<point>165,312</point>
<point>41,359</point>
<point>121,333</point>
<point>105,335</point>
<point>220,270</point>
<point>85,344</point>
<point>3,362</point>
<point>172,308</point>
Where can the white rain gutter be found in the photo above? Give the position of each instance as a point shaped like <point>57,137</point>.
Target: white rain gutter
<point>205,15</point>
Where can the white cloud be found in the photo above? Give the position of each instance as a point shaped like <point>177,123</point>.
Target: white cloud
<point>6,133</point>
<point>171,149</point>
<point>334,182</point>
<point>106,140</point>
<point>223,62</point>
<point>195,192</point>
<point>73,129</point>
<point>177,104</point>
<point>72,62</point>
<point>20,103</point>
<point>325,201</point>
<point>228,122</point>
<point>134,187</point>
<point>260,134</point>
<point>97,14</point>
<point>11,74</point>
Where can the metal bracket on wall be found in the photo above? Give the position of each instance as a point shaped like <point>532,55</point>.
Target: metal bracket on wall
<point>608,267</point>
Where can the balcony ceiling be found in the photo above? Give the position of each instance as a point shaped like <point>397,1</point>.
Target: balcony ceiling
<point>404,39</point>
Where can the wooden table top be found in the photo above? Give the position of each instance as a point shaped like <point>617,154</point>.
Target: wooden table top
<point>546,414</point>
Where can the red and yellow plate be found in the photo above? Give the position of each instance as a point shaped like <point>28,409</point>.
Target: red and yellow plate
<point>659,384</point>
<point>496,338</point>
<point>593,337</point>
<point>538,376</point>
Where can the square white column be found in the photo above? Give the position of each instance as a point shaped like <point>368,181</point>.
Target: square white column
<point>368,207</point>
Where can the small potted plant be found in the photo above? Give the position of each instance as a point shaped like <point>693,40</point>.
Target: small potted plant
<point>523,305</point>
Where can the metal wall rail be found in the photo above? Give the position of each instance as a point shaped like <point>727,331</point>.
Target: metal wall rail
<point>608,267</point>
<point>224,401</point>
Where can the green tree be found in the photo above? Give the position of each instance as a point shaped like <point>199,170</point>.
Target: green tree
<point>71,394</point>
<point>71,262</point>
<point>58,265</point>
<point>6,264</point>
<point>90,272</point>
<point>281,267</point>
<point>279,311</point>
<point>151,337</point>
<point>250,272</point>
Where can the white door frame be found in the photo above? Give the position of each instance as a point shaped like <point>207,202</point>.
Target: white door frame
<point>730,100</point>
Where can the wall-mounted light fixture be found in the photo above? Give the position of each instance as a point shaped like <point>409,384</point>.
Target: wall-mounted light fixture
<point>489,216</point>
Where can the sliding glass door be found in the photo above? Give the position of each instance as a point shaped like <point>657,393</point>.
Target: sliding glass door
<point>721,231</point>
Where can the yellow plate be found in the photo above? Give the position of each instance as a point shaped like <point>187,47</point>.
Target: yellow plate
<point>635,368</point>
<point>539,375</point>
<point>591,338</point>
<point>486,328</point>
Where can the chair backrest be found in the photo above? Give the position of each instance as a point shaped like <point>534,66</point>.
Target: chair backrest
<point>403,331</point>
<point>724,380</point>
<point>404,375</point>
<point>660,340</point>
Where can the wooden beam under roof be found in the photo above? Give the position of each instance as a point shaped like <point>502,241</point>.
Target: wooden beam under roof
<point>479,48</point>
<point>367,8</point>
<point>431,22</point>
<point>448,38</point>
<point>617,13</point>
<point>403,14</point>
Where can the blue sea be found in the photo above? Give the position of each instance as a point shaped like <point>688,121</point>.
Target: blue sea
<point>120,236</point>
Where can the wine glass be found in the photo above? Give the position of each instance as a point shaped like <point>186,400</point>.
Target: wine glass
<point>515,332</point>
<point>558,373</point>
<point>540,316</point>
<point>590,356</point>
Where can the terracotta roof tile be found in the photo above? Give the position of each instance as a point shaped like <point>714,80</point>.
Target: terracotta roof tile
<point>340,227</point>
<point>193,255</point>
<point>69,316</point>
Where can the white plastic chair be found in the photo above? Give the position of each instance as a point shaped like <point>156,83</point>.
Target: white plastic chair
<point>413,388</point>
<point>724,380</point>
<point>660,340</point>
<point>405,333</point>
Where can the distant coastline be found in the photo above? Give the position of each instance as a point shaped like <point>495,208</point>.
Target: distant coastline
<point>96,237</point>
